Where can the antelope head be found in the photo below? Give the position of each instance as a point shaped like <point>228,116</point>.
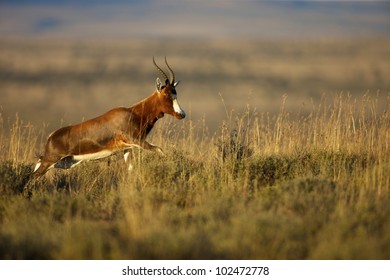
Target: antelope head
<point>167,93</point>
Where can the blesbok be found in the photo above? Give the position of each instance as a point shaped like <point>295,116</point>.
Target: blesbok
<point>119,129</point>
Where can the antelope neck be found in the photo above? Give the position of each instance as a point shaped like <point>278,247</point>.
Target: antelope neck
<point>148,109</point>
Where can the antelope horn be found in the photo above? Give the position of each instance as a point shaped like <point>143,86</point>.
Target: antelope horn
<point>161,71</point>
<point>171,74</point>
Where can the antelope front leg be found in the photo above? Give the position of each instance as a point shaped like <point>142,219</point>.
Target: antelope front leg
<point>147,146</point>
<point>126,157</point>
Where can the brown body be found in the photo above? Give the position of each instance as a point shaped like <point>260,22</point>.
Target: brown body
<point>119,129</point>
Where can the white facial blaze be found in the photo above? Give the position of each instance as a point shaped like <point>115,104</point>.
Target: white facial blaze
<point>177,107</point>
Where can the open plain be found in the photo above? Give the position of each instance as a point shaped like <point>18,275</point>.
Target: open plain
<point>284,153</point>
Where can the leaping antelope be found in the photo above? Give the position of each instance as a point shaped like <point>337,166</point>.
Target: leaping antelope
<point>119,129</point>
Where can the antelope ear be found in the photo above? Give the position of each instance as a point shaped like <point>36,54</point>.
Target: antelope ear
<point>176,83</point>
<point>158,85</point>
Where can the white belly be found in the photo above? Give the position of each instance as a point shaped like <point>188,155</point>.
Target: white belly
<point>73,160</point>
<point>93,156</point>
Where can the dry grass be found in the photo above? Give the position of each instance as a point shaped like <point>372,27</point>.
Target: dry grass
<point>265,186</point>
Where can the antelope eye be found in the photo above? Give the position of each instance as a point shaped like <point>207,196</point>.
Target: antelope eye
<point>169,95</point>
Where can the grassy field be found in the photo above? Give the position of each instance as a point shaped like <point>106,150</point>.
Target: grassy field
<point>266,187</point>
<point>292,181</point>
